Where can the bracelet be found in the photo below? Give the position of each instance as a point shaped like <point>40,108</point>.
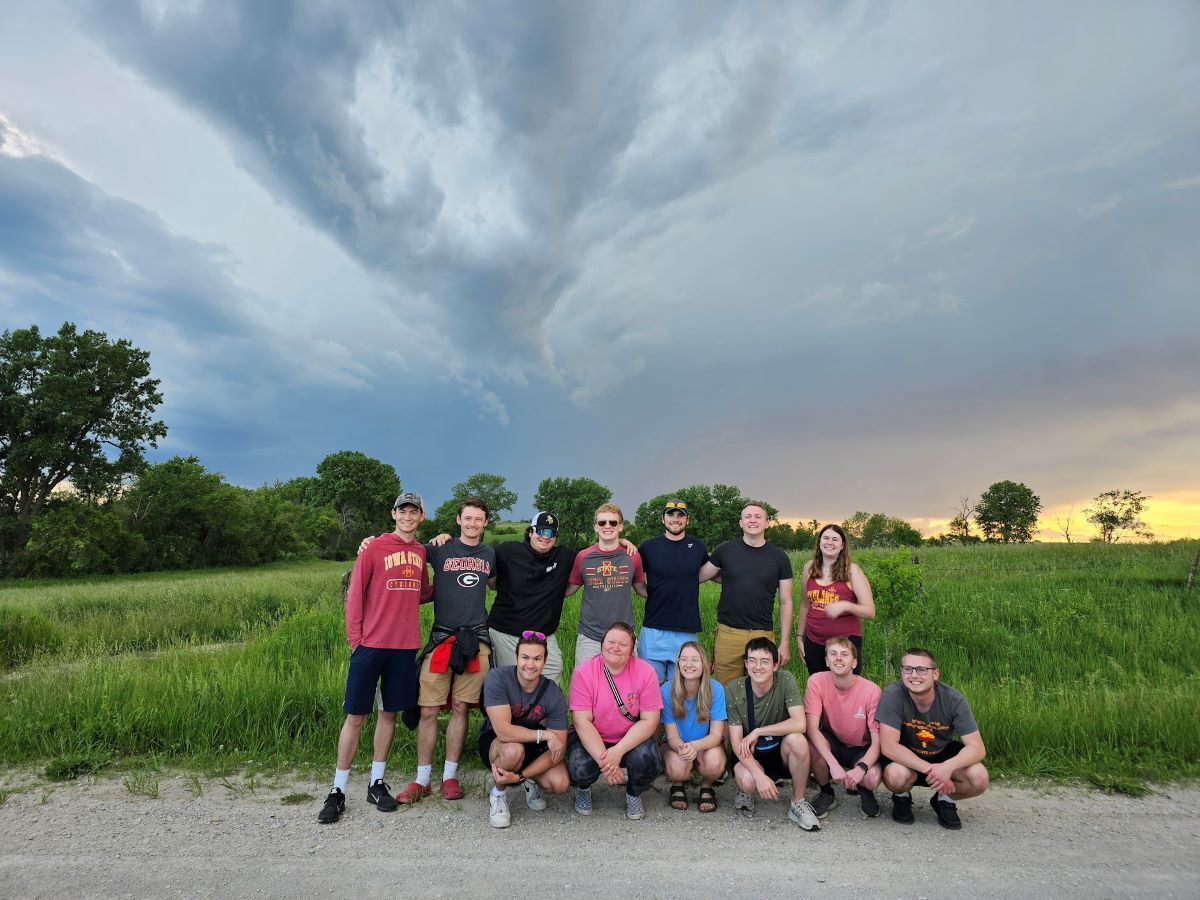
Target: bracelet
<point>537,738</point>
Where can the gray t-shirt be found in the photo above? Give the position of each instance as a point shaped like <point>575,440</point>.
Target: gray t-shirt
<point>460,576</point>
<point>607,577</point>
<point>502,688</point>
<point>926,733</point>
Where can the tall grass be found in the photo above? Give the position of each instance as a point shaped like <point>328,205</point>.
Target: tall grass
<point>1080,661</point>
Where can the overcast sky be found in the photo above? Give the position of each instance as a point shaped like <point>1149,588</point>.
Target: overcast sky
<point>844,255</point>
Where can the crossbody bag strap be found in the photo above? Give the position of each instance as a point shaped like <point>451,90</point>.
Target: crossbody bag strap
<point>749,706</point>
<point>612,686</point>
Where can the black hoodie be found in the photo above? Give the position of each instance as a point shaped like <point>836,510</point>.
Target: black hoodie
<point>529,587</point>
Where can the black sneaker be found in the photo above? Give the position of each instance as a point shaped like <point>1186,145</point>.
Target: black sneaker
<point>947,813</point>
<point>379,793</point>
<point>824,802</point>
<point>902,809</point>
<point>335,805</point>
<point>866,799</point>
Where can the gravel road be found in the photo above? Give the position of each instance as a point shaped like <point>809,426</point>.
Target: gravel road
<point>94,838</point>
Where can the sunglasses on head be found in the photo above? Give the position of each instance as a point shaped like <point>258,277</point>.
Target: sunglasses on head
<point>533,634</point>
<point>602,522</point>
<point>676,504</point>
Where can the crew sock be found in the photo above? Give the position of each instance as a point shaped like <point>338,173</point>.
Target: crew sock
<point>450,770</point>
<point>424,775</point>
<point>945,798</point>
<point>905,794</point>
<point>340,778</point>
<point>497,791</point>
<point>377,770</point>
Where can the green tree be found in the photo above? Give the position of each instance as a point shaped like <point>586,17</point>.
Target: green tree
<point>880,530</point>
<point>491,489</point>
<point>361,490</point>
<point>1115,511</point>
<point>714,512</point>
<point>73,537</point>
<point>1008,511</point>
<point>73,407</point>
<point>574,501</point>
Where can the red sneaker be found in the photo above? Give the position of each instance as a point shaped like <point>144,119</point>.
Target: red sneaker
<point>412,793</point>
<point>451,789</point>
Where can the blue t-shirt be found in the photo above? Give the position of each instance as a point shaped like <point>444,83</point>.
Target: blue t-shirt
<point>689,729</point>
<point>672,582</point>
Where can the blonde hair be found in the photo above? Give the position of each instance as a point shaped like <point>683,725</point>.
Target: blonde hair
<point>612,508</point>
<point>703,692</point>
<point>841,566</point>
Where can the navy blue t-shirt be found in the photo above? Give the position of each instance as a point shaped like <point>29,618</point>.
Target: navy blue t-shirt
<point>672,569</point>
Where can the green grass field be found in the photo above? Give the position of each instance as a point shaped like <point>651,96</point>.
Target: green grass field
<point>1082,662</point>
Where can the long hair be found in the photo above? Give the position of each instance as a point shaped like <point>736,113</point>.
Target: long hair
<point>703,693</point>
<point>841,565</point>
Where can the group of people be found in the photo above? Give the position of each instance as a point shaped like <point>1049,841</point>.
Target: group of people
<point>639,705</point>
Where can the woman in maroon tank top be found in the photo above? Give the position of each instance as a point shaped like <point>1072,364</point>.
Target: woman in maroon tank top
<point>836,598</point>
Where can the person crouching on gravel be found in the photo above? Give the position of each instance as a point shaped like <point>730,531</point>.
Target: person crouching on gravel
<point>694,721</point>
<point>524,734</point>
<point>918,720</point>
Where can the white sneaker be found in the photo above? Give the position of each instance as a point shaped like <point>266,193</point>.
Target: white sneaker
<point>533,795</point>
<point>801,813</point>
<point>498,815</point>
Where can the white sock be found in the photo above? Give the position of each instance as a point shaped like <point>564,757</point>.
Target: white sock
<point>945,798</point>
<point>905,794</point>
<point>340,778</point>
<point>450,770</point>
<point>497,791</point>
<point>377,770</point>
<point>424,775</point>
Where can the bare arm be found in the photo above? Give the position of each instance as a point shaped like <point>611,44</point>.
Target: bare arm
<point>639,588</point>
<point>708,572</point>
<point>785,625</point>
<point>588,735</point>
<point>805,603</point>
<point>642,729</point>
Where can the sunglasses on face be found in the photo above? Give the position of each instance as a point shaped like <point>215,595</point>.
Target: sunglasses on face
<point>533,634</point>
<point>600,523</point>
<point>546,533</point>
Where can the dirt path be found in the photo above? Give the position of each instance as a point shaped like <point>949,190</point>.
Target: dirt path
<point>98,840</point>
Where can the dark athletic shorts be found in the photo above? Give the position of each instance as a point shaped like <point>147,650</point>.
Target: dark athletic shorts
<point>532,751</point>
<point>951,749</point>
<point>846,755</point>
<point>772,762</point>
<point>394,671</point>
<point>814,655</point>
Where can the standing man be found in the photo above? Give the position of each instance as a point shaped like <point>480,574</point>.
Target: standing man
<point>918,720</point>
<point>456,656</point>
<point>843,736</point>
<point>530,582</point>
<point>383,627</point>
<point>752,571</point>
<point>672,562</point>
<point>524,733</point>
<point>766,728</point>
<point>607,571</point>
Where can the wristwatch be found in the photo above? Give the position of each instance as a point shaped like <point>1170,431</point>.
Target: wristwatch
<point>862,765</point>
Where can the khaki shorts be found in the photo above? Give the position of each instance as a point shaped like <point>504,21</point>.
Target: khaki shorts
<point>729,651</point>
<point>504,653</point>
<point>436,687</point>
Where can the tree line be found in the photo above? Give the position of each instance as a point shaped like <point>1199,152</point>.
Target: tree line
<point>78,497</point>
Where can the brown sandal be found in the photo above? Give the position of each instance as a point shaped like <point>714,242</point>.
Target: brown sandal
<point>677,797</point>
<point>707,801</point>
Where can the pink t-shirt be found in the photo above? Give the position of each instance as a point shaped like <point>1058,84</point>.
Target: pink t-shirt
<point>590,692</point>
<point>849,714</point>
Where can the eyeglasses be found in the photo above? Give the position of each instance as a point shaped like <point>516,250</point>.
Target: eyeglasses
<point>600,523</point>
<point>916,670</point>
<point>533,634</point>
<point>546,533</point>
<point>689,660</point>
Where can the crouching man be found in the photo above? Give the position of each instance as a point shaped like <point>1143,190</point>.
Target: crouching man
<point>524,734</point>
<point>919,718</point>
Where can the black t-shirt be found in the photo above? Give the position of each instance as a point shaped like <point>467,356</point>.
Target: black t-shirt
<point>672,571</point>
<point>750,578</point>
<point>529,587</point>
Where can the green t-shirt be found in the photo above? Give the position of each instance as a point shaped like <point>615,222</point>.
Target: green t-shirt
<point>769,709</point>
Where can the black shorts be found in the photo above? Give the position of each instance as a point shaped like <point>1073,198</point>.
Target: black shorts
<point>532,750</point>
<point>394,671</point>
<point>772,762</point>
<point>846,755</point>
<point>814,655</point>
<point>950,750</point>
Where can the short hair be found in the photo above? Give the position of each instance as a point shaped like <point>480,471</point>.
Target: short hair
<point>761,643</point>
<point>532,641</point>
<point>621,626</point>
<point>842,642</point>
<point>920,651</point>
<point>757,504</point>
<point>612,508</point>
<point>477,503</point>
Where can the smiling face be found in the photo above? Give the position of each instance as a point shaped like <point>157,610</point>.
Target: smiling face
<point>471,522</point>
<point>675,522</point>
<point>407,518</point>
<point>839,658</point>
<point>542,544</point>
<point>608,523</point>
<point>831,544</point>
<point>690,663</point>
<point>753,521</point>
<point>531,659</point>
<point>918,673</point>
<point>616,648</point>
<point>761,666</point>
